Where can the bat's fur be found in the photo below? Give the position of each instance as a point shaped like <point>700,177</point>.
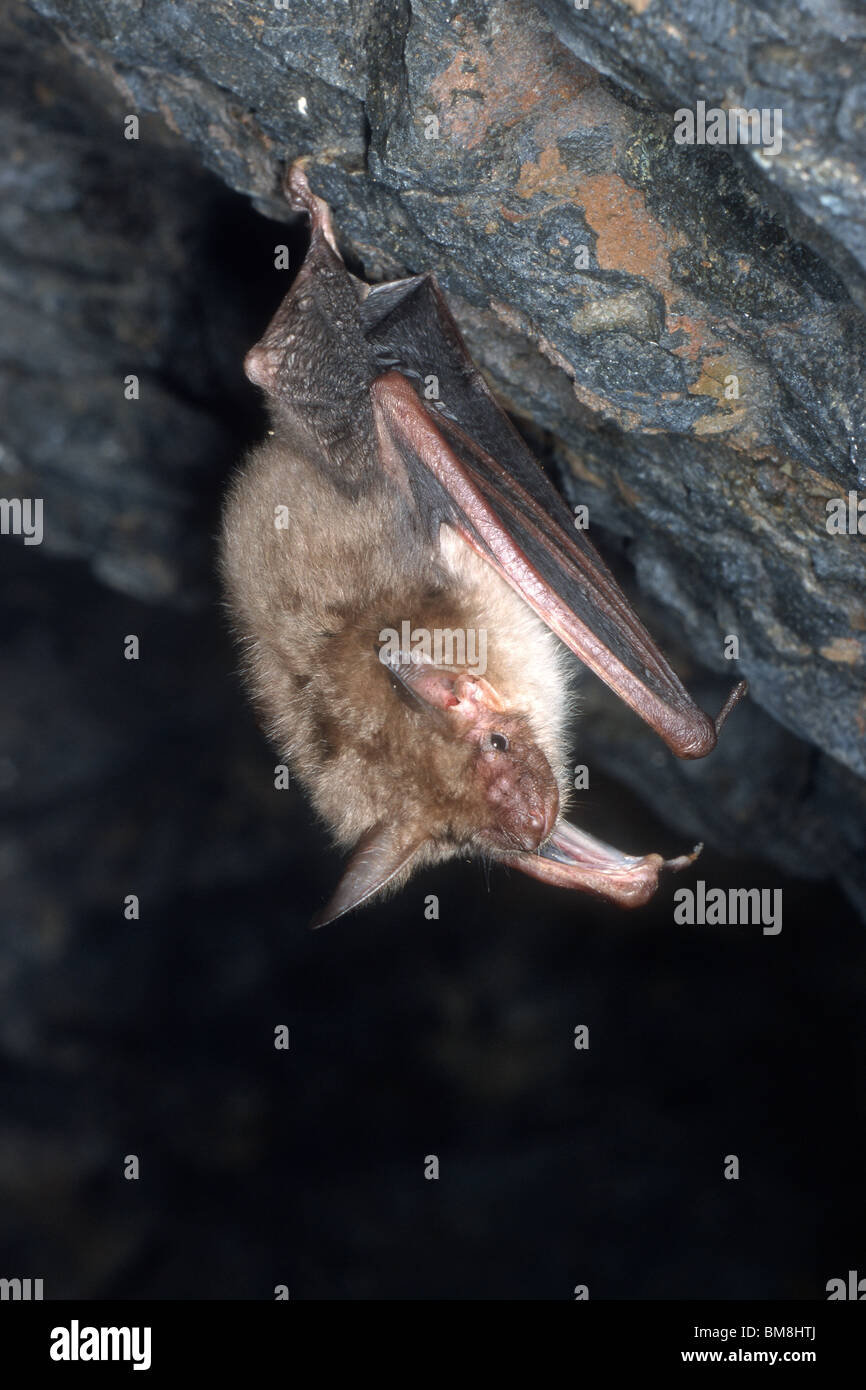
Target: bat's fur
<point>310,600</point>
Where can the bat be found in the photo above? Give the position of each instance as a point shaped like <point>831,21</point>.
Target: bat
<point>407,586</point>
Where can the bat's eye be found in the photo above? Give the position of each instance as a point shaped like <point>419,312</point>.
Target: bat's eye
<point>499,742</point>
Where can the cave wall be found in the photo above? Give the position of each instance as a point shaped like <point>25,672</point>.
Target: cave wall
<point>612,284</point>
<point>155,1035</point>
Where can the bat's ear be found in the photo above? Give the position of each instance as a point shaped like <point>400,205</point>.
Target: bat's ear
<point>438,688</point>
<point>377,858</point>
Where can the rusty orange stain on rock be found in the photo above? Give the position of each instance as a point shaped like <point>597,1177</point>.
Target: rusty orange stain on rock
<point>719,422</point>
<point>697,332</point>
<point>511,216</point>
<point>628,237</point>
<point>498,84</point>
<point>721,374</point>
<point>717,374</point>
<point>547,174</point>
<point>844,649</point>
<point>497,81</point>
<point>630,240</point>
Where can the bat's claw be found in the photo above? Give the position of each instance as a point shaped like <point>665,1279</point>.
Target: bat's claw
<point>302,198</point>
<point>296,185</point>
<point>683,860</point>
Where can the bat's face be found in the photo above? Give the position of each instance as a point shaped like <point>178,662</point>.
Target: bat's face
<point>518,788</point>
<point>508,798</point>
<point>434,763</point>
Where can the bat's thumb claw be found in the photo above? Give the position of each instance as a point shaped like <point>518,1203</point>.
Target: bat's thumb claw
<point>683,860</point>
<point>733,699</point>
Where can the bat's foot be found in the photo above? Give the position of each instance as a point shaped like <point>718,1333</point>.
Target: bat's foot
<point>571,858</point>
<point>296,186</point>
<point>302,198</point>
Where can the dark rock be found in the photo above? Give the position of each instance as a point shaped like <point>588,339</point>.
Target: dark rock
<point>106,248</point>
<point>155,1036</point>
<point>467,140</point>
<point>804,59</point>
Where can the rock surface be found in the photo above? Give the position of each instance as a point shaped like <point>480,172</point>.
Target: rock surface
<point>693,368</point>
<point>804,58</point>
<point>156,1035</point>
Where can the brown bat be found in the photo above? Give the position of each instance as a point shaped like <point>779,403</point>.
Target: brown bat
<point>399,570</point>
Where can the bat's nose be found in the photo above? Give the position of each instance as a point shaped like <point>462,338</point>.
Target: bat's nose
<point>528,834</point>
<point>537,822</point>
<point>523,797</point>
<point>538,796</point>
<point>528,840</point>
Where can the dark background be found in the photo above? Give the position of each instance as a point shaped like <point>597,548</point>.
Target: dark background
<point>408,1037</point>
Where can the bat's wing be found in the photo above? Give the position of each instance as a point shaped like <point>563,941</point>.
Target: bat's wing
<point>354,366</point>
<point>468,466</point>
